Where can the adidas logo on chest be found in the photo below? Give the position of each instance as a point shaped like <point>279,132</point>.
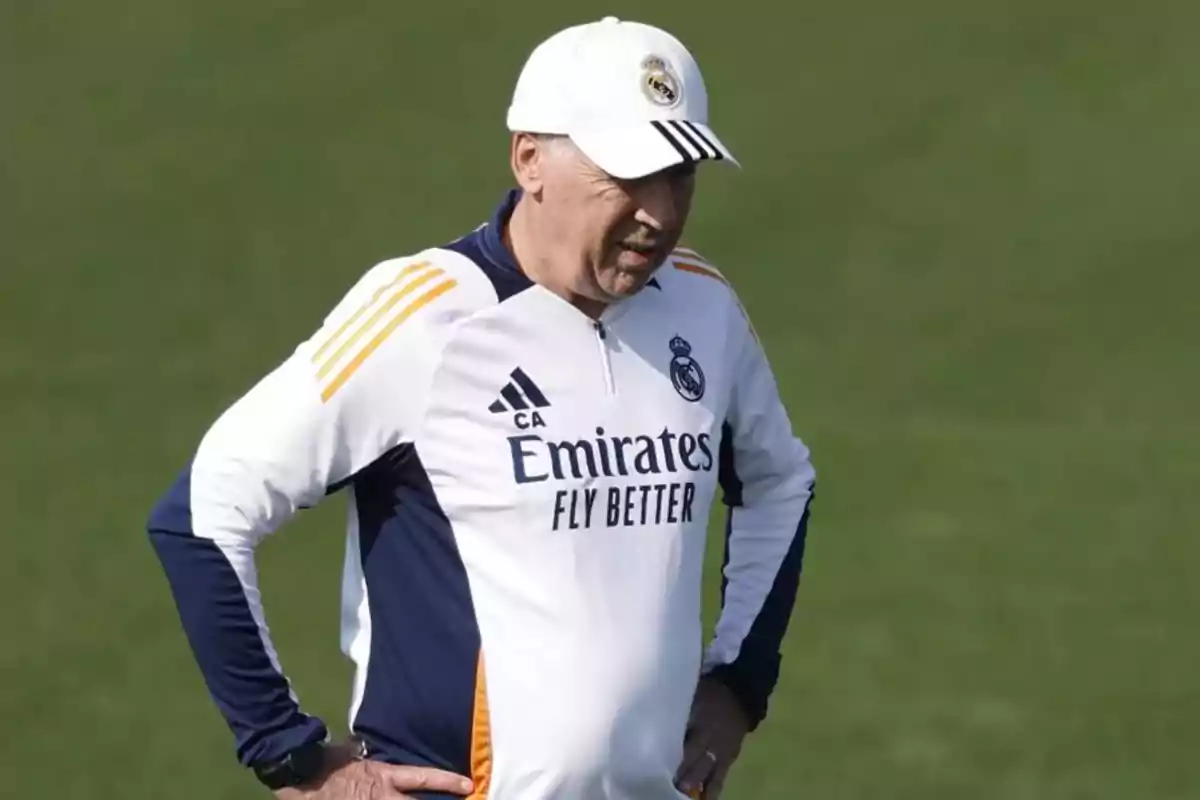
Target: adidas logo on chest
<point>522,398</point>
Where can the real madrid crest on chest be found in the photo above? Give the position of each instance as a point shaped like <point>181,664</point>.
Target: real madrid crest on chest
<point>686,375</point>
<point>659,83</point>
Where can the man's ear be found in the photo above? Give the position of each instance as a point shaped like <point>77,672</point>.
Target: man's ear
<point>527,159</point>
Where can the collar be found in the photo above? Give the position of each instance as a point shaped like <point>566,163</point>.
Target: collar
<point>491,240</point>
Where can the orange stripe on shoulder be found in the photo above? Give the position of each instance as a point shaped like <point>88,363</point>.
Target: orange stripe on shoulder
<point>687,260</point>
<point>387,330</point>
<point>396,297</point>
<point>374,298</point>
<point>700,269</point>
<point>689,254</point>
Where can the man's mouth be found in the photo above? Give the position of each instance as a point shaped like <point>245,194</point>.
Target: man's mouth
<point>647,250</point>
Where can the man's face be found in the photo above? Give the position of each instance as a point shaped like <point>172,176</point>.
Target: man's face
<point>620,231</point>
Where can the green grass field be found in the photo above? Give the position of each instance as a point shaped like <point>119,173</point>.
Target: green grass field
<point>968,234</point>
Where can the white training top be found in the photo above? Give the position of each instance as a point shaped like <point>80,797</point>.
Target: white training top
<point>529,497</point>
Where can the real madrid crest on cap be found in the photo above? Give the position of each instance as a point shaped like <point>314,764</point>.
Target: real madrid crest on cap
<point>686,375</point>
<point>659,83</point>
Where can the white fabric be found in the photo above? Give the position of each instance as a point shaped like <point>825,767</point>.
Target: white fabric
<point>584,560</point>
<point>590,82</point>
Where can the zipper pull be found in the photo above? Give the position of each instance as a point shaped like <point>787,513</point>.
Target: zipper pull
<point>600,329</point>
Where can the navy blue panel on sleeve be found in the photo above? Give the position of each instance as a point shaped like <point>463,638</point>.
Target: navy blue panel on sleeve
<point>253,697</point>
<point>418,700</point>
<point>731,491</point>
<point>753,674</point>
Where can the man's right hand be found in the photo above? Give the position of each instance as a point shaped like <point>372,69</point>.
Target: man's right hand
<point>351,779</point>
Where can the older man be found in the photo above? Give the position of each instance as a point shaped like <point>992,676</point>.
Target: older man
<point>531,423</point>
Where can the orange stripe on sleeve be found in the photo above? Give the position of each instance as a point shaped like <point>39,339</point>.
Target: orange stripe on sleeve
<point>749,322</point>
<point>700,269</point>
<point>710,272</point>
<point>407,289</point>
<point>345,326</point>
<point>687,252</point>
<point>481,737</point>
<point>371,346</point>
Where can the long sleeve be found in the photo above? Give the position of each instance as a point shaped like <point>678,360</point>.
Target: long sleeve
<point>334,406</point>
<point>768,482</point>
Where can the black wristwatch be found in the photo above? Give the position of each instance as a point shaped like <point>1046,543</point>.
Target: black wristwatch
<point>297,768</point>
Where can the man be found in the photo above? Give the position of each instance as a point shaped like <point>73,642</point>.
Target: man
<point>531,423</point>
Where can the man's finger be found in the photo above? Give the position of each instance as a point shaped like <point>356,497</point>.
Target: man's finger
<point>699,761</point>
<point>429,779</point>
<point>716,783</point>
<point>694,748</point>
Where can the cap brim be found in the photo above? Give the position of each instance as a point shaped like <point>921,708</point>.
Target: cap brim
<point>634,151</point>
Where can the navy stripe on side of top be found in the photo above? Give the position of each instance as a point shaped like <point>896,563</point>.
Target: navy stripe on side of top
<point>418,701</point>
<point>220,628</point>
<point>754,673</point>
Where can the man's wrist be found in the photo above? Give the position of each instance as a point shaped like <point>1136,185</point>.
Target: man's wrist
<point>751,705</point>
<point>297,767</point>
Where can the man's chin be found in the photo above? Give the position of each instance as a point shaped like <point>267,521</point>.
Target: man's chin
<point>627,283</point>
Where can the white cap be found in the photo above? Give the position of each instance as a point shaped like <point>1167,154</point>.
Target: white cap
<point>629,95</point>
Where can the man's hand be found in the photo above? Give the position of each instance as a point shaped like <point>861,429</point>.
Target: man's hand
<point>351,779</point>
<point>718,726</point>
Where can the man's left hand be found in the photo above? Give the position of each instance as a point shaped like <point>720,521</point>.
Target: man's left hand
<point>717,727</point>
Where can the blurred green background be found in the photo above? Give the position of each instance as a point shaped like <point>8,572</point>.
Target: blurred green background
<point>968,233</point>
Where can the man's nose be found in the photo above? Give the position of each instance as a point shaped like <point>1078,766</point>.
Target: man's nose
<point>658,207</point>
